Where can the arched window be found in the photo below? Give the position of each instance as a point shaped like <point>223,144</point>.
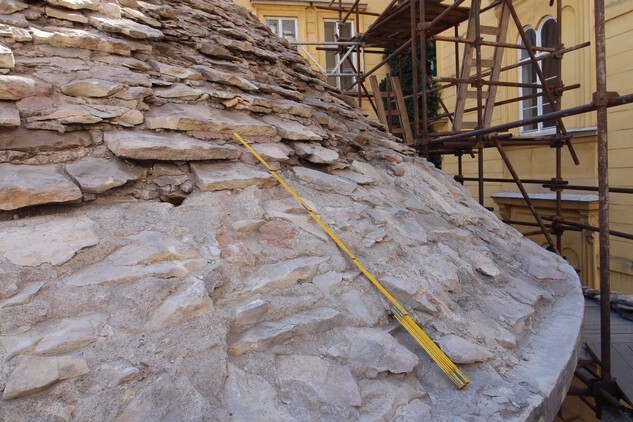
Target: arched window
<point>544,37</point>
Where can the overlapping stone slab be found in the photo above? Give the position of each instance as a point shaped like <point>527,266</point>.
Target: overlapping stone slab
<point>291,130</point>
<point>220,176</point>
<point>267,334</point>
<point>24,185</point>
<point>172,147</point>
<point>16,87</point>
<point>97,175</point>
<point>198,117</point>
<point>80,38</point>
<point>149,254</point>
<point>279,275</point>
<point>324,181</point>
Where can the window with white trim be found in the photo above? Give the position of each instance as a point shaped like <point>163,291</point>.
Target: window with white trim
<point>283,27</point>
<point>336,63</point>
<point>544,37</point>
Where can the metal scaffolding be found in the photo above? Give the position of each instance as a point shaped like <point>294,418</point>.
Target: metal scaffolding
<point>406,24</point>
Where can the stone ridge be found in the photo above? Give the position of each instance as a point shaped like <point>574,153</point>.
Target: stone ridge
<point>170,81</point>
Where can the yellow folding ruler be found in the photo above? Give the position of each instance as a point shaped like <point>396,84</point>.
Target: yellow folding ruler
<point>401,315</point>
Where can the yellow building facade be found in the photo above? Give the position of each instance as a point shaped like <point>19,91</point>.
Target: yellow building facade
<point>578,67</point>
<point>307,21</point>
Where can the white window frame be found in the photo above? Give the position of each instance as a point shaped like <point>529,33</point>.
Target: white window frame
<point>280,26</point>
<point>352,56</point>
<point>539,100</point>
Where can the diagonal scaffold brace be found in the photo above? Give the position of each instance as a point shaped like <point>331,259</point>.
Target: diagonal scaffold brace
<point>399,312</point>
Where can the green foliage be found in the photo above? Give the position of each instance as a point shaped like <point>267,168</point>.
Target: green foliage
<point>407,86</point>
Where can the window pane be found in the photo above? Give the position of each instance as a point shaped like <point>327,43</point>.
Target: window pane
<point>548,33</point>
<point>346,81</point>
<point>531,35</point>
<point>347,30</point>
<point>289,29</point>
<point>273,24</point>
<point>329,31</point>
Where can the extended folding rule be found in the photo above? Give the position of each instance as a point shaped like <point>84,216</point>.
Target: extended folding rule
<point>401,315</point>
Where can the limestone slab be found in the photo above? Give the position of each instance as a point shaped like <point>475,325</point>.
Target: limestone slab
<point>324,181</point>
<point>186,117</point>
<point>24,296</point>
<point>97,175</point>
<point>37,374</point>
<point>483,264</point>
<point>272,151</point>
<point>250,397</point>
<point>149,146</point>
<point>14,87</point>
<point>291,130</point>
<point>126,27</point>
<point>11,6</point>
<point>251,312</point>
<point>267,334</point>
<point>65,14</point>
<point>24,185</point>
<point>220,176</point>
<point>91,88</point>
<point>330,382</point>
<point>55,241</point>
<point>462,351</point>
<point>9,115</point>
<point>315,153</point>
<point>76,4</point>
<point>176,71</point>
<point>79,38</point>
<point>190,300</point>
<point>149,254</point>
<point>42,140</point>
<point>224,78</point>
<point>182,91</point>
<point>370,351</point>
<point>55,336</point>
<point>7,60</point>
<point>279,275</point>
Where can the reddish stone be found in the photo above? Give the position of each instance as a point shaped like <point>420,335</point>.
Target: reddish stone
<point>248,158</point>
<point>391,157</point>
<point>316,122</point>
<point>254,69</point>
<point>258,139</point>
<point>396,169</point>
<point>275,165</point>
<point>229,247</point>
<point>278,233</point>
<point>34,104</point>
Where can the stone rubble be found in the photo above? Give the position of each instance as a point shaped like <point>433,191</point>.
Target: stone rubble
<point>154,270</point>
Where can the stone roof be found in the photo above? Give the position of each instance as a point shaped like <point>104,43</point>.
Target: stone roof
<point>153,270</point>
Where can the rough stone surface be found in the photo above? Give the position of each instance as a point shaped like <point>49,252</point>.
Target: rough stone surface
<point>214,259</point>
<point>149,146</point>
<point>21,186</point>
<point>211,176</point>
